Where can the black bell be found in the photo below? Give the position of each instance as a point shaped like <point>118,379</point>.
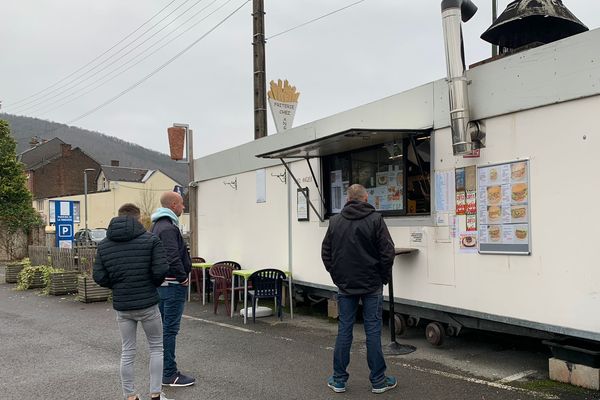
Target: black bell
<point>528,22</point>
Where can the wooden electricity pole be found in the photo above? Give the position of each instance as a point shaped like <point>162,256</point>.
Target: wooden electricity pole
<point>260,84</point>
<point>494,16</point>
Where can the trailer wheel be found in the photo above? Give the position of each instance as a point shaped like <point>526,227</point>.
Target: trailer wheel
<point>451,331</point>
<point>434,332</point>
<point>411,322</point>
<point>400,323</point>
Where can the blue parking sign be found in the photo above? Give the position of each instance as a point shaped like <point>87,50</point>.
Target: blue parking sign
<point>64,223</point>
<point>65,231</point>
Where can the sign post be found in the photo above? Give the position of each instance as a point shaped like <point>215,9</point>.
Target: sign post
<point>64,224</point>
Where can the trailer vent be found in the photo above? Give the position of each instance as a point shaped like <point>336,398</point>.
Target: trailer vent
<point>529,23</point>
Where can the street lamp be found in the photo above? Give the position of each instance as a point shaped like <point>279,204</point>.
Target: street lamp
<point>85,192</point>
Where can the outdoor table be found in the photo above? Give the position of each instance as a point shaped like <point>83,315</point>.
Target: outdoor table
<point>204,267</point>
<point>245,273</point>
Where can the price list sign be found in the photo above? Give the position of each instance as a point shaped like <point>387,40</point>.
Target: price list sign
<point>503,208</point>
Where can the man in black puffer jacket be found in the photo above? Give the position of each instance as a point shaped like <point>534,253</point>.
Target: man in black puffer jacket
<point>358,252</point>
<point>132,262</point>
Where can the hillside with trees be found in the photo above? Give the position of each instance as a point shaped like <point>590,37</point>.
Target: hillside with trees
<point>101,147</point>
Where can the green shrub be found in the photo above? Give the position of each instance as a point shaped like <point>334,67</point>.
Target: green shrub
<point>28,273</point>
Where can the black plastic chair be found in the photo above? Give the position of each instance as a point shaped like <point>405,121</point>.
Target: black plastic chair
<point>267,284</point>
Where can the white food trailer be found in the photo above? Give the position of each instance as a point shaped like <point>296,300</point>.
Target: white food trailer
<point>504,239</point>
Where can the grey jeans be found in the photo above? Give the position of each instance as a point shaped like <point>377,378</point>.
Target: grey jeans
<point>152,325</point>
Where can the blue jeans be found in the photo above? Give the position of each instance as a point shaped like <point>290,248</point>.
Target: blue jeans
<point>172,302</point>
<point>372,310</point>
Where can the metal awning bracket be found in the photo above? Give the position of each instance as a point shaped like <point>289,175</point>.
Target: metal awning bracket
<point>315,181</point>
<point>303,192</point>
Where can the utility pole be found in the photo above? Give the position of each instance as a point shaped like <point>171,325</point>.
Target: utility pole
<point>192,195</point>
<point>494,16</point>
<point>260,81</point>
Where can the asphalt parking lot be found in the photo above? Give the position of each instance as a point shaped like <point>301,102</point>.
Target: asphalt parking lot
<point>56,348</point>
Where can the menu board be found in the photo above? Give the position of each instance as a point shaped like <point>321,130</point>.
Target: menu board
<point>503,208</point>
<point>388,194</point>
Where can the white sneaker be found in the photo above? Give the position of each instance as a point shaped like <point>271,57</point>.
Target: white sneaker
<point>163,397</point>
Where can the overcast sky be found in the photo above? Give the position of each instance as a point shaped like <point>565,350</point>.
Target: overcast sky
<point>369,51</point>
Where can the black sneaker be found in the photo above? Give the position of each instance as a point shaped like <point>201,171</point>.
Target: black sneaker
<point>179,379</point>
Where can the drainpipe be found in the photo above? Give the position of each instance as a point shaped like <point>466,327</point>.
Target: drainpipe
<point>453,11</point>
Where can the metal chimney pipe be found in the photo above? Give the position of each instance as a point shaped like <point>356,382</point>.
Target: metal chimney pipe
<point>453,11</point>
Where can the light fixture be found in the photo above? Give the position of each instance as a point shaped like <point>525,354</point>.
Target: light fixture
<point>394,150</point>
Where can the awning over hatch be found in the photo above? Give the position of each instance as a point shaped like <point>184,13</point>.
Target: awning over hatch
<point>342,142</point>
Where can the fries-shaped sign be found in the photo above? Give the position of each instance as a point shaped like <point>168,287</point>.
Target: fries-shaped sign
<point>283,100</point>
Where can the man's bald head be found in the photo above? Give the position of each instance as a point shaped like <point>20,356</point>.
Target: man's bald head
<point>357,192</point>
<point>172,201</point>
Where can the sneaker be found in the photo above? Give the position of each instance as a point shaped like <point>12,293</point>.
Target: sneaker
<point>388,384</point>
<point>179,379</point>
<point>338,387</point>
<point>161,397</point>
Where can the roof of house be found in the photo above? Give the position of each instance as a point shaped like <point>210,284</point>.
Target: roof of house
<point>41,153</point>
<point>125,174</point>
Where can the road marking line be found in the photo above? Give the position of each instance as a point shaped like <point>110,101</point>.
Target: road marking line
<point>516,376</point>
<point>480,382</point>
<point>237,328</point>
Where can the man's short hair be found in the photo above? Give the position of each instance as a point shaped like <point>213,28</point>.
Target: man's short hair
<point>129,209</point>
<point>357,192</point>
<point>168,198</point>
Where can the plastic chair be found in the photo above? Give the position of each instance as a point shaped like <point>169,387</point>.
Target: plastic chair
<point>196,277</point>
<point>234,265</point>
<point>221,274</point>
<point>267,284</point>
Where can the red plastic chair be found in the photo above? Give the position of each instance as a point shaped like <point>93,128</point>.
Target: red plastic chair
<point>221,274</point>
<point>196,277</point>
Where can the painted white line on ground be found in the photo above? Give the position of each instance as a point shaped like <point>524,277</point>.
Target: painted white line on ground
<point>517,376</point>
<point>480,382</point>
<point>237,328</point>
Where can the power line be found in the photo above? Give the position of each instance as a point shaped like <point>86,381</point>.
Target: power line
<point>115,45</point>
<point>73,85</point>
<point>102,79</point>
<point>314,20</point>
<point>74,82</point>
<point>161,67</point>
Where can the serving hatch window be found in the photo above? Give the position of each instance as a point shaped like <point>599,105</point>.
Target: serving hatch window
<point>395,174</point>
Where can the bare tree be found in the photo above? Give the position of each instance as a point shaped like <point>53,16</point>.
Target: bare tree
<point>147,205</point>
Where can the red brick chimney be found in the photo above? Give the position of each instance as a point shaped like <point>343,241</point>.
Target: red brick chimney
<point>34,141</point>
<point>65,149</point>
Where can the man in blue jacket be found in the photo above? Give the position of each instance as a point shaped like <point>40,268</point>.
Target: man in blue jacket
<point>174,290</point>
<point>358,252</point>
<point>132,263</point>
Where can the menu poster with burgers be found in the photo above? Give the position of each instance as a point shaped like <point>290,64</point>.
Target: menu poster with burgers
<point>504,208</point>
